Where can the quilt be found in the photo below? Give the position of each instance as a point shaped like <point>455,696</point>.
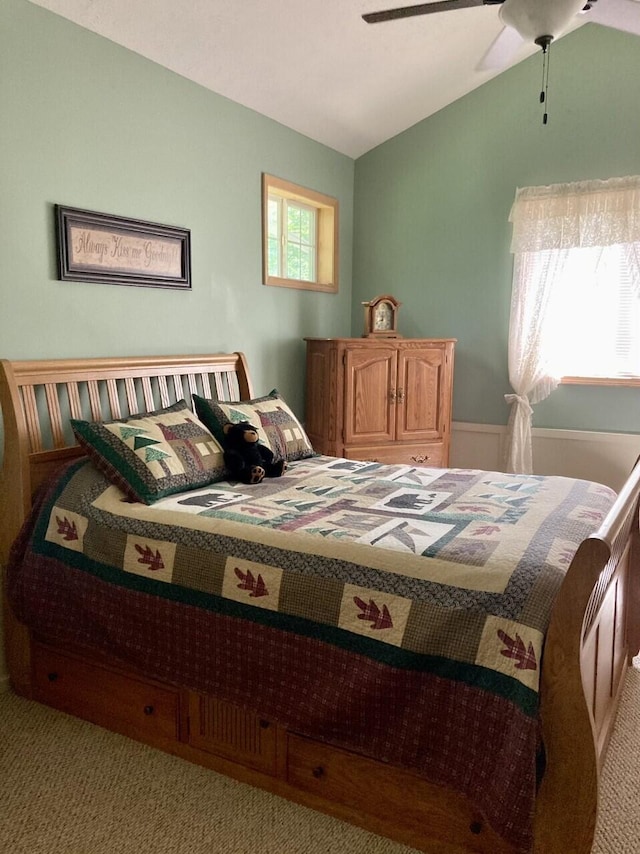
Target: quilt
<point>397,611</point>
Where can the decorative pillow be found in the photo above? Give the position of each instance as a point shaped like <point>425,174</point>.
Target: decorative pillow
<point>278,427</point>
<point>153,455</point>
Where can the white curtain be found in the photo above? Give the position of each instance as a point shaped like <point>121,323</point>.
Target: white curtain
<point>548,222</point>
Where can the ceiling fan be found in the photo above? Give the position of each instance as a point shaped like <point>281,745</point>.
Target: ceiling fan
<point>533,21</point>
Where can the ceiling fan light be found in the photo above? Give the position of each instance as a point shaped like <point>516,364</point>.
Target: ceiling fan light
<point>535,18</point>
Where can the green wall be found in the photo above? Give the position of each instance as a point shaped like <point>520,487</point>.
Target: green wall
<point>431,210</point>
<point>88,124</point>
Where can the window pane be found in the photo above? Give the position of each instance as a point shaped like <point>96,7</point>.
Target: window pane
<point>274,257</point>
<point>293,261</point>
<point>307,227</point>
<point>595,328</point>
<point>274,231</point>
<point>307,256</point>
<point>274,206</point>
<point>293,223</point>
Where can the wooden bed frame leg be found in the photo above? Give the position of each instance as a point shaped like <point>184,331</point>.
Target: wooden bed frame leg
<point>566,807</point>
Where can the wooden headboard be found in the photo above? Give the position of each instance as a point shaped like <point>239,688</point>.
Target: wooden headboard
<point>37,398</point>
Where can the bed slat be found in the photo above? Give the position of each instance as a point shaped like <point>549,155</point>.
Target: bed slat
<point>219,387</point>
<point>114,400</point>
<point>147,393</point>
<point>94,400</point>
<point>177,386</point>
<point>55,418</point>
<point>164,391</point>
<point>31,415</point>
<point>193,386</point>
<point>73,394</point>
<point>132,397</point>
<point>206,385</point>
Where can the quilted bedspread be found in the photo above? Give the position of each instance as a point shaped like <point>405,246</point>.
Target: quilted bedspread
<point>397,611</point>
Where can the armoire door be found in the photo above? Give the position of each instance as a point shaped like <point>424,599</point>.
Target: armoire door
<point>370,394</point>
<point>422,393</point>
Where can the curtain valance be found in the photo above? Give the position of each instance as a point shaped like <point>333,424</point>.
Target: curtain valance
<point>584,213</point>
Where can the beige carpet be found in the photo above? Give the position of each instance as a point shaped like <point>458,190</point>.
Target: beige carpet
<point>68,787</point>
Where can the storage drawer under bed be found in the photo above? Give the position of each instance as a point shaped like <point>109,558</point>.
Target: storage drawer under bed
<point>104,696</point>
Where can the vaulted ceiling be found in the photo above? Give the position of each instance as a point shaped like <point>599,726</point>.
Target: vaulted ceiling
<point>315,65</point>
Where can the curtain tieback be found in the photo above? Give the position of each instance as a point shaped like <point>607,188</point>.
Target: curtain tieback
<point>520,399</point>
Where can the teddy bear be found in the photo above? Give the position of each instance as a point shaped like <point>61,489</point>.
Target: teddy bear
<point>245,457</point>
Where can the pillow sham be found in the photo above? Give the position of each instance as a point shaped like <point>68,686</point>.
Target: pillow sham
<point>153,455</point>
<point>278,428</point>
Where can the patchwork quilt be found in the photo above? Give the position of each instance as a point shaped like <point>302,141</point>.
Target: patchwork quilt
<point>397,611</point>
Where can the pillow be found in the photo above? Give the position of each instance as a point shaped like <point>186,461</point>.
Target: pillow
<point>153,455</point>
<point>278,427</point>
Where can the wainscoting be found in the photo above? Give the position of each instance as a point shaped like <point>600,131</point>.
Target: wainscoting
<point>603,457</point>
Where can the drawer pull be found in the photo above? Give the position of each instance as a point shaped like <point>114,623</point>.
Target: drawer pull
<point>52,677</point>
<point>149,710</point>
<point>264,724</point>
<point>475,827</point>
<point>392,395</point>
<point>318,772</point>
<point>421,458</point>
<point>401,395</point>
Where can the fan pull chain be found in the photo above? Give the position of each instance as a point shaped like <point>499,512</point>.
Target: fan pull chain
<point>545,43</point>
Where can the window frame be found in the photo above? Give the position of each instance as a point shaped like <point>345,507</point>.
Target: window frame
<point>326,207</point>
<point>622,381</point>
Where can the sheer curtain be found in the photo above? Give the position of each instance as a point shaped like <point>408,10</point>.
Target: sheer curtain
<point>548,222</point>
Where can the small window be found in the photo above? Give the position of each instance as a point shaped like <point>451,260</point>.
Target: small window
<point>300,237</point>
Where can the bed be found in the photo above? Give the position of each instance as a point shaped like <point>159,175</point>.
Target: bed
<point>455,708</point>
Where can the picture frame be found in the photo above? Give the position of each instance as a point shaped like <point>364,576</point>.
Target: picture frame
<point>115,250</point>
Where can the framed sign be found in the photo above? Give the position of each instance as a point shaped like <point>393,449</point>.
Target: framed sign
<point>97,247</point>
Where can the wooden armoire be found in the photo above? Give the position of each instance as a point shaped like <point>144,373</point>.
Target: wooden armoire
<point>382,399</point>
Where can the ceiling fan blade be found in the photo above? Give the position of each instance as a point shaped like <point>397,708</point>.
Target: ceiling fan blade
<point>501,51</point>
<point>425,9</point>
<point>619,14</point>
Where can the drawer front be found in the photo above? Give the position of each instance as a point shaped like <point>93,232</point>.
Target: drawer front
<point>407,803</point>
<point>422,454</point>
<point>104,697</point>
<point>232,733</point>
<point>336,775</point>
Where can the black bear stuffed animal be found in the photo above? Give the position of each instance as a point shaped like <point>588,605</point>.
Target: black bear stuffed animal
<point>245,457</point>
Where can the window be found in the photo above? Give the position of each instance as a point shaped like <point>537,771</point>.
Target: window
<point>300,237</point>
<point>575,304</point>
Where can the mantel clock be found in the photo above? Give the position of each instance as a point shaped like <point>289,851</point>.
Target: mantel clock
<point>381,317</point>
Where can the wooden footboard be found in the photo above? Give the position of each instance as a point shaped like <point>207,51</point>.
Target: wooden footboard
<point>593,635</point>
<point>594,631</point>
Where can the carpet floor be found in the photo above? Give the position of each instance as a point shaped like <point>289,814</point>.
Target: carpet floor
<point>68,787</point>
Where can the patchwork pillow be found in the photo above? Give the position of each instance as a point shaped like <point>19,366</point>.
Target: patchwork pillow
<point>278,428</point>
<point>153,455</point>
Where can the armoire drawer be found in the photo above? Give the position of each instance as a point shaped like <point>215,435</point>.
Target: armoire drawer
<point>103,696</point>
<point>423,454</point>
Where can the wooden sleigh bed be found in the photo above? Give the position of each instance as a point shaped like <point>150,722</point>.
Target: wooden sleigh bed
<point>593,633</point>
